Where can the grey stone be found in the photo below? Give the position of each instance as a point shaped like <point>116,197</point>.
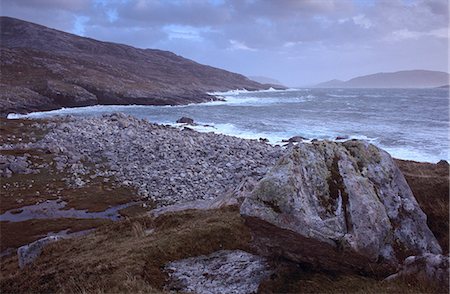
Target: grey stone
<point>19,166</point>
<point>28,253</point>
<point>338,206</point>
<point>221,272</point>
<point>425,269</point>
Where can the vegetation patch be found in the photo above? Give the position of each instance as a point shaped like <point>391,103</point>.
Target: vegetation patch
<point>133,250</point>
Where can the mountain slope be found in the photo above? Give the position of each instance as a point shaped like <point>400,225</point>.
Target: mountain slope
<point>330,84</point>
<point>400,79</point>
<point>267,80</point>
<point>43,68</point>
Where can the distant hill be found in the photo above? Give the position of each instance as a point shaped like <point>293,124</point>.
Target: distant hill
<point>43,69</point>
<point>399,79</point>
<point>266,80</point>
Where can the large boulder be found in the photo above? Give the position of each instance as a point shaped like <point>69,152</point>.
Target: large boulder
<point>340,206</point>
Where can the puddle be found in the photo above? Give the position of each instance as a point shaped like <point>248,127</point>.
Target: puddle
<point>55,209</point>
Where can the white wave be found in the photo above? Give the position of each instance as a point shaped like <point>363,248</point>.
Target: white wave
<point>372,95</point>
<point>415,154</point>
<point>90,110</point>
<point>244,91</point>
<point>342,96</point>
<point>257,101</point>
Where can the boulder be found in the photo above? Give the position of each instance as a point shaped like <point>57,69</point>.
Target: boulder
<point>340,206</point>
<point>28,253</point>
<point>220,272</point>
<point>425,269</point>
<point>19,166</point>
<point>185,120</point>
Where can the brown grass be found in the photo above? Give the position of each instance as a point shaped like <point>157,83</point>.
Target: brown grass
<point>430,185</point>
<point>15,234</point>
<point>101,262</point>
<point>294,278</point>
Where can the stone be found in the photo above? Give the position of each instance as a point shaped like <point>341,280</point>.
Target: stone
<point>153,157</point>
<point>28,253</point>
<point>294,139</point>
<point>425,269</point>
<point>185,120</point>
<point>339,206</point>
<point>224,272</point>
<point>345,137</point>
<point>19,166</point>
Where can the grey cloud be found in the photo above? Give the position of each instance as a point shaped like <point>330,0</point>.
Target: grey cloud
<point>298,41</point>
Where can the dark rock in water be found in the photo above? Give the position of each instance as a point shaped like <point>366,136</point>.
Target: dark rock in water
<point>185,120</point>
<point>221,272</point>
<point>342,137</point>
<point>425,269</point>
<point>339,206</point>
<point>294,139</point>
<point>264,140</point>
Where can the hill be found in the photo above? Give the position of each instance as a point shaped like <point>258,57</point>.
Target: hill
<point>45,69</point>
<point>399,79</point>
<point>267,80</point>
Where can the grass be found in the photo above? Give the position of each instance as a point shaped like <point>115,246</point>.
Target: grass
<point>16,234</point>
<point>430,185</point>
<point>121,252</point>
<point>122,258</point>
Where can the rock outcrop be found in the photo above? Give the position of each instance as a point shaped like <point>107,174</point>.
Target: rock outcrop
<point>28,253</point>
<point>425,269</point>
<point>45,69</point>
<point>221,272</point>
<point>343,206</point>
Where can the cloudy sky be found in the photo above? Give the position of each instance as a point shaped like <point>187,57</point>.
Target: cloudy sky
<point>298,42</point>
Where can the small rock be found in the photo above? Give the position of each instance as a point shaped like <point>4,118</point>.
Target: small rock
<point>185,120</point>
<point>294,139</point>
<point>425,269</point>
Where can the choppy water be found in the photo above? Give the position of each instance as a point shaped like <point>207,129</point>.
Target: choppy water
<point>408,123</point>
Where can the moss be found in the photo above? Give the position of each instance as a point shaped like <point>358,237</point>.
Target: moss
<point>273,195</point>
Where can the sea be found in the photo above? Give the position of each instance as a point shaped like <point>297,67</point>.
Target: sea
<point>410,124</point>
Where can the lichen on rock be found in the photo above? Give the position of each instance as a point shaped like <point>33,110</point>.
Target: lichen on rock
<point>338,206</point>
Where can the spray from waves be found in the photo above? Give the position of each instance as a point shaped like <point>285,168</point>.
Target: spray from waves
<point>78,111</point>
<point>244,91</point>
<point>257,101</point>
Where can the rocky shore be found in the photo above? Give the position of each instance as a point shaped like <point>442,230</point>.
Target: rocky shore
<point>164,164</point>
<point>280,216</point>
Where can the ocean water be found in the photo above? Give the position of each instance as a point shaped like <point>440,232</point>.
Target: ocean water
<point>408,123</point>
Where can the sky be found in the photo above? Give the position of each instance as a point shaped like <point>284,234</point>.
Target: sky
<point>298,42</point>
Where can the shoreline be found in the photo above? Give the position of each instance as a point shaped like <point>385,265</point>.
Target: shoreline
<point>201,128</point>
